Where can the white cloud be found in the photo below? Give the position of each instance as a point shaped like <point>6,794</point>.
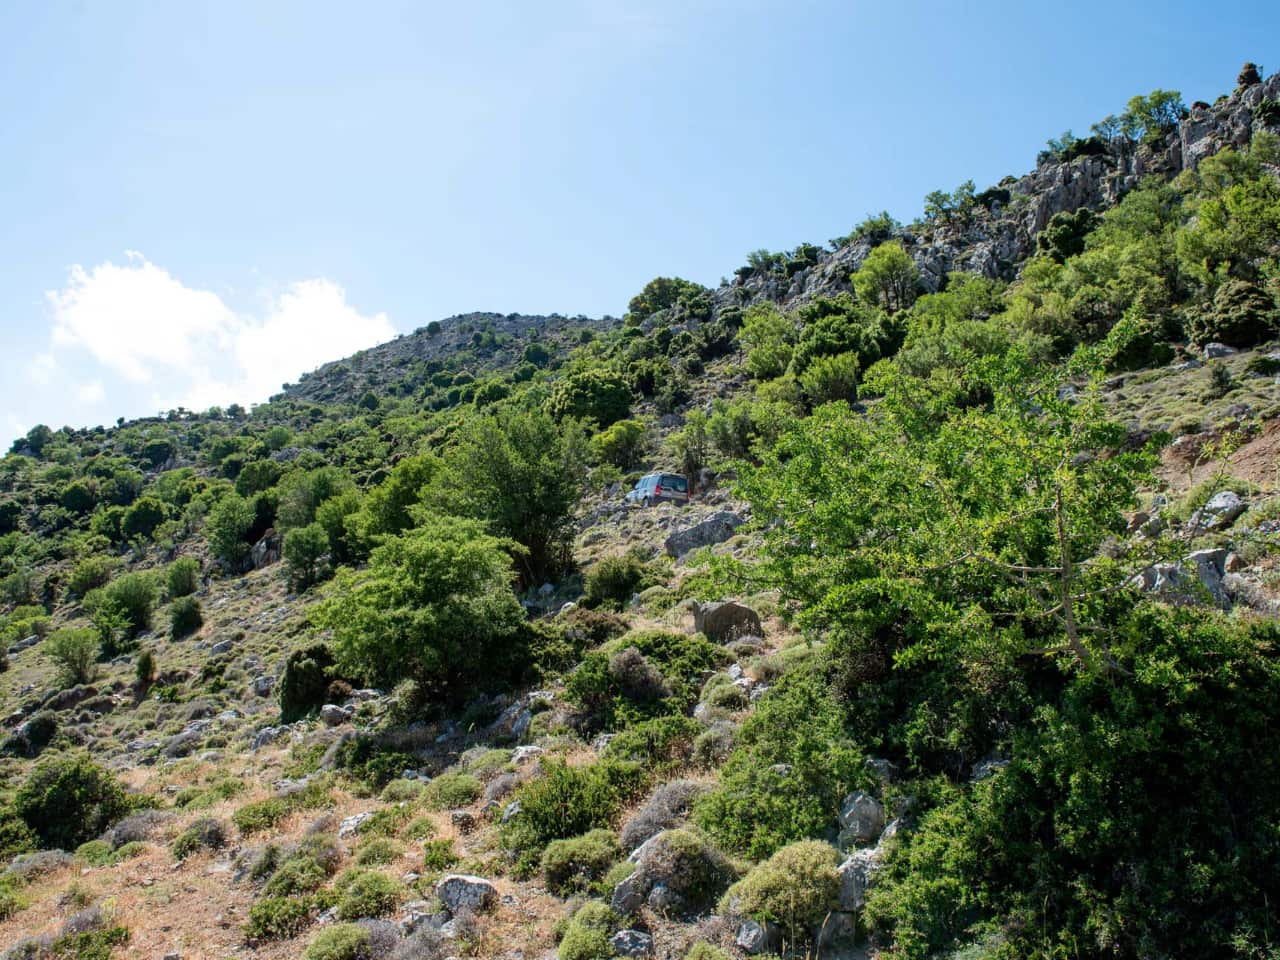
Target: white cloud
<point>187,345</point>
<point>91,392</point>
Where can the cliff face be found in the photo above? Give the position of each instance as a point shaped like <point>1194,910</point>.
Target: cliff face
<point>994,240</point>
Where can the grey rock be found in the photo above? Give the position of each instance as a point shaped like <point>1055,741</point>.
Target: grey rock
<point>512,810</point>
<point>632,943</point>
<point>1215,351</point>
<point>1220,511</point>
<point>856,874</point>
<point>350,826</point>
<point>461,892</point>
<point>755,938</point>
<point>333,715</point>
<point>727,621</point>
<point>717,528</point>
<point>1193,580</point>
<point>267,550</point>
<point>861,819</point>
<point>523,755</point>
<point>262,685</point>
<point>628,896</point>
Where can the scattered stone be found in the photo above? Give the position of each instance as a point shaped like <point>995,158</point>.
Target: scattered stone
<point>723,622</point>
<point>1215,351</point>
<point>855,878</point>
<point>333,715</point>
<point>755,938</point>
<point>1220,512</point>
<point>716,528</point>
<point>861,820</point>
<point>522,755</point>
<point>460,892</point>
<point>463,821</point>
<point>631,943</point>
<point>350,826</point>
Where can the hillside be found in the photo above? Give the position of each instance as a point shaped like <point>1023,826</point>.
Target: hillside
<point>966,646</point>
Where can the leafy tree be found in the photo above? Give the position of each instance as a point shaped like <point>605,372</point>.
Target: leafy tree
<point>304,548</point>
<point>1152,117</point>
<point>622,444</point>
<point>1064,234</point>
<point>79,496</point>
<point>888,277</point>
<point>302,493</point>
<point>690,445</point>
<point>434,605</point>
<point>839,324</point>
<point>68,799</point>
<point>183,577</point>
<point>831,378</point>
<point>1242,314</point>
<point>954,207</point>
<point>142,518</point>
<point>522,473</point>
<point>769,336</point>
<point>134,595</point>
<point>76,653</point>
<point>663,293</point>
<point>593,394</point>
<point>228,527</point>
<point>1249,75</point>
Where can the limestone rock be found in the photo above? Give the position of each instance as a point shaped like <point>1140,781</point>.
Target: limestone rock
<point>632,943</point>
<point>861,819</point>
<point>723,622</point>
<point>717,528</point>
<point>461,892</point>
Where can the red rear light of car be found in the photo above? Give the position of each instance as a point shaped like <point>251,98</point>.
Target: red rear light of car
<point>658,488</point>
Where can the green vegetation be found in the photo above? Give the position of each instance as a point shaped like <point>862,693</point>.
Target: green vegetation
<point>68,800</point>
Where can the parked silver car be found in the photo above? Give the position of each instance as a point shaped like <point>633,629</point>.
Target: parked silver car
<point>653,487</point>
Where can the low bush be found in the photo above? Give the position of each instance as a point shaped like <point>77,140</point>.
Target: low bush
<point>438,855</point>
<point>262,815</point>
<point>795,889</point>
<point>568,801</point>
<point>614,580</point>
<point>586,935</point>
<point>705,951</point>
<point>420,828</point>
<point>305,683</point>
<point>669,806</point>
<point>183,577</point>
<point>68,799</point>
<point>185,617</point>
<point>364,893</point>
<point>449,791</point>
<point>75,651</point>
<point>342,941</point>
<point>384,823</point>
<point>96,853</point>
<point>297,875</point>
<point>205,834</point>
<point>278,918</point>
<point>378,851</point>
<point>658,742</point>
<point>401,791</point>
<point>574,864</point>
<point>689,865</point>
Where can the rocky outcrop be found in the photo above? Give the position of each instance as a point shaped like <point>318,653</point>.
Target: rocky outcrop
<point>461,893</point>
<point>723,622</point>
<point>717,528</point>
<point>267,550</point>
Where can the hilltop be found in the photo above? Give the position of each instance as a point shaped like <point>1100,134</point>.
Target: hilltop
<point>964,647</point>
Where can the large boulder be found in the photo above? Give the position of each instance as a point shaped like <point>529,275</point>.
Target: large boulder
<point>1220,512</point>
<point>462,893</point>
<point>861,820</point>
<point>727,621</point>
<point>267,550</point>
<point>717,528</point>
<point>856,874</point>
<point>1194,579</point>
<point>632,943</point>
<point>677,871</point>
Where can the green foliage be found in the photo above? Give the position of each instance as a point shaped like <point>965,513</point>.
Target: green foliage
<point>595,394</point>
<point>145,668</point>
<point>342,941</point>
<point>438,855</point>
<point>705,951</point>
<point>185,617</point>
<point>887,278</point>
<point>875,229</point>
<point>280,918</point>
<point>949,208</point>
<point>568,801</point>
<point>378,851</point>
<point>795,889</point>
<point>586,936</point>
<point>622,444</point>
<point>68,799</point>
<point>90,573</point>
<point>522,473</point>
<point>204,834</point>
<point>142,518</point>
<point>576,863</point>
<point>1243,314</point>
<point>304,549</point>
<point>303,491</point>
<point>183,577</point>
<point>1150,118</point>
<point>435,604</point>
<point>260,815</point>
<point>614,579</point>
<point>305,683</point>
<point>364,893</point>
<point>791,766</point>
<point>228,528</point>
<point>769,338</point>
<point>97,944</point>
<point>1064,235</point>
<point>449,791</point>
<point>134,595</point>
<point>838,325</point>
<point>75,651</point>
<point>828,379</point>
<point>666,293</point>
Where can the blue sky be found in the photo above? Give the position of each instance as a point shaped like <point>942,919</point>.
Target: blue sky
<point>199,201</point>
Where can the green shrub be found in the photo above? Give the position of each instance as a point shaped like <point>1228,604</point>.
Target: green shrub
<point>183,577</point>
<point>75,651</point>
<point>299,874</point>
<point>342,941</point>
<point>705,951</point>
<point>364,893</point>
<point>378,851</point>
<point>656,742</point>
<point>307,674</point>
<point>576,863</point>
<point>1242,314</point>
<point>795,888</point>
<point>450,791</point>
<point>792,765</point>
<point>144,670</point>
<point>262,815</point>
<point>401,791</point>
<point>90,945</point>
<point>384,823</point>
<point>586,936</point>
<point>594,394</point>
<point>205,834</point>
<point>185,617</point>
<point>90,574</point>
<point>134,594</point>
<point>278,918</point>
<point>420,828</point>
<point>438,855</point>
<point>613,580</point>
<point>68,799</point>
<point>127,851</point>
<point>567,801</point>
<point>304,549</point>
<point>96,853</point>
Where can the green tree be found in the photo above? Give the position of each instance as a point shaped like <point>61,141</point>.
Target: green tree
<point>593,394</point>
<point>888,277</point>
<point>435,605</point>
<point>304,548</point>
<point>142,518</point>
<point>302,493</point>
<point>1150,118</point>
<point>831,378</point>
<point>68,799</point>
<point>228,527</point>
<point>76,653</point>
<point>621,444</point>
<point>768,336</point>
<point>522,473</point>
